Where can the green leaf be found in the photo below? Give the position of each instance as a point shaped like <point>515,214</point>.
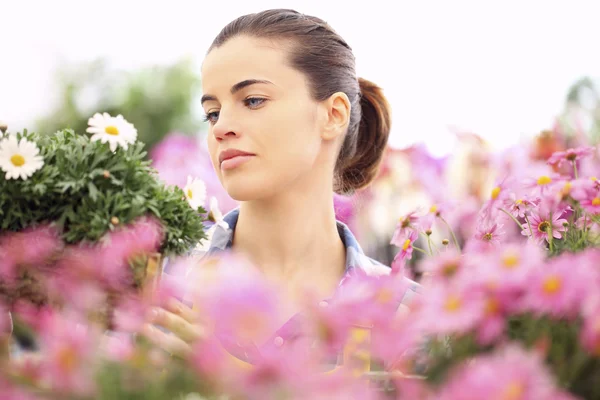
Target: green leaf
<point>93,191</point>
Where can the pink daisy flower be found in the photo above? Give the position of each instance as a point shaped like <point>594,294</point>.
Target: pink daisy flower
<point>542,222</point>
<point>510,373</point>
<point>542,183</point>
<point>570,155</point>
<point>406,224</point>
<point>406,249</point>
<point>518,206</point>
<point>488,234</point>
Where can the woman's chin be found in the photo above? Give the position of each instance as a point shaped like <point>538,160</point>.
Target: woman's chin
<point>244,191</point>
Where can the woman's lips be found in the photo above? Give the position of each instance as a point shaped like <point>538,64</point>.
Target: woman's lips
<point>235,162</point>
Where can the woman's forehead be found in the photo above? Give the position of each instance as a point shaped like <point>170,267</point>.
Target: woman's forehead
<point>243,58</point>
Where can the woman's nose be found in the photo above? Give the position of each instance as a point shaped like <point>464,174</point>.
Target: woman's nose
<point>224,129</point>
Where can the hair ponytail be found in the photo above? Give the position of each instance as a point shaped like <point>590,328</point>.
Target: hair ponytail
<point>362,151</point>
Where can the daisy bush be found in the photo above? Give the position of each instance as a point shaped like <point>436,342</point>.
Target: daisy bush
<point>80,211</point>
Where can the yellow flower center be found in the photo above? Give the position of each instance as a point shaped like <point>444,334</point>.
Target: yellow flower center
<point>519,202</point>
<point>384,296</point>
<point>567,188</point>
<point>406,244</point>
<point>510,260</point>
<point>543,226</point>
<point>189,193</point>
<point>552,284</point>
<point>67,359</point>
<point>405,222</point>
<point>112,130</point>
<point>488,236</point>
<point>492,306</point>
<point>513,391</point>
<point>544,180</point>
<point>453,303</point>
<point>433,209</point>
<point>596,201</point>
<point>593,178</point>
<point>496,192</point>
<point>449,269</point>
<point>17,160</point>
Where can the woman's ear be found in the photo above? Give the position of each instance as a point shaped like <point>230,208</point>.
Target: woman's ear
<point>337,116</point>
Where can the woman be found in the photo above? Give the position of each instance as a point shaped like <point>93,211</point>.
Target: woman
<point>289,123</point>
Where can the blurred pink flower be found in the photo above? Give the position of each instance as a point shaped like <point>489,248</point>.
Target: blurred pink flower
<point>451,309</point>
<point>246,308</point>
<point>587,193</point>
<point>365,300</point>
<point>117,347</point>
<point>30,248</point>
<point>509,373</point>
<point>130,314</point>
<point>10,391</point>
<point>570,155</point>
<point>558,289</point>
<point>443,266</point>
<point>277,371</point>
<point>68,349</point>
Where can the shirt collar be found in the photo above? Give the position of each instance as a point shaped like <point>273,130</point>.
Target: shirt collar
<point>222,239</point>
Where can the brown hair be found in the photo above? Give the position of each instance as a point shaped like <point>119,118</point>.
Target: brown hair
<point>327,60</point>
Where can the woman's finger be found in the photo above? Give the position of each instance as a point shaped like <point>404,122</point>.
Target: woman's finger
<point>179,327</point>
<point>166,341</point>
<point>180,309</point>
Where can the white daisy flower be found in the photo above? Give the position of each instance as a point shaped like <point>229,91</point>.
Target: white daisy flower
<point>216,216</point>
<point>195,192</point>
<point>114,130</point>
<point>19,159</point>
<point>214,213</point>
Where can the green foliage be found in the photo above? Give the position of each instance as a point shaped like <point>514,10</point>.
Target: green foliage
<point>83,186</point>
<point>157,100</point>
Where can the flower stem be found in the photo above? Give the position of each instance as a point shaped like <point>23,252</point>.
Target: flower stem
<point>512,217</point>
<point>575,168</point>
<point>529,225</point>
<point>419,249</point>
<point>451,232</point>
<point>550,235</point>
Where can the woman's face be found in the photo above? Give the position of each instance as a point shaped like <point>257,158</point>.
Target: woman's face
<point>264,127</point>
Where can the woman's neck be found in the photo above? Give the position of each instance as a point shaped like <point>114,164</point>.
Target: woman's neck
<point>292,238</point>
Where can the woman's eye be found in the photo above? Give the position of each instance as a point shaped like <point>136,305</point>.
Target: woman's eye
<point>211,117</point>
<point>254,102</point>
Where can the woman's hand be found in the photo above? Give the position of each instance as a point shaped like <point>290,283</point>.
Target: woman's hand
<point>183,326</point>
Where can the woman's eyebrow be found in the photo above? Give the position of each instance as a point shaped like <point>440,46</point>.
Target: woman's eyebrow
<point>237,87</point>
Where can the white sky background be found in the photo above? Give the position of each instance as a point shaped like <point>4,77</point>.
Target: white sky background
<point>498,68</point>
